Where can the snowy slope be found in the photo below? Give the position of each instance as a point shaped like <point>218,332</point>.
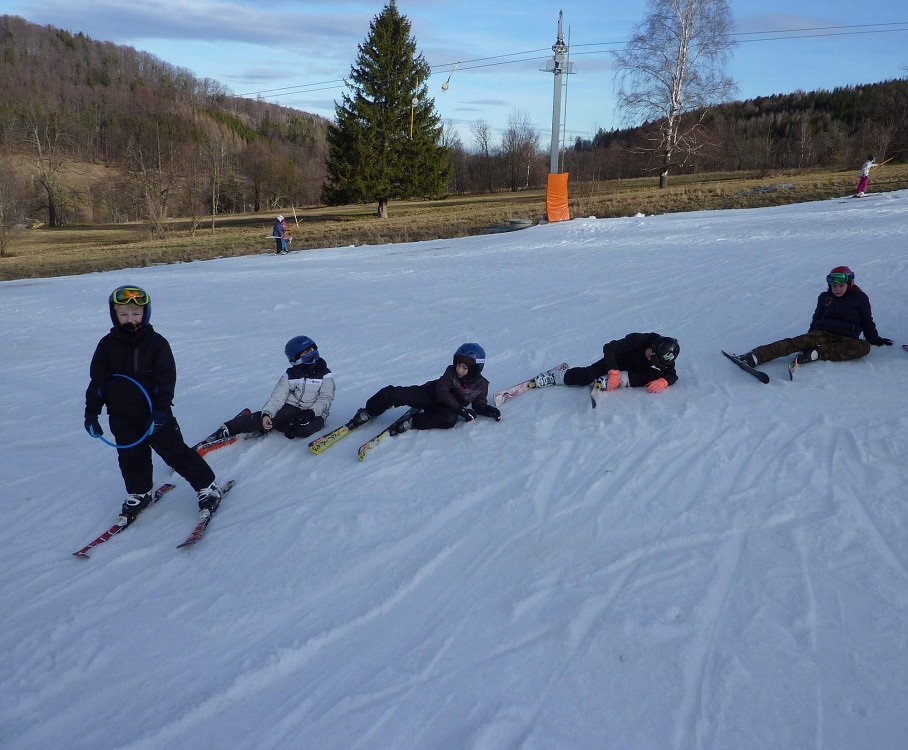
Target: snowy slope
<point>723,565</point>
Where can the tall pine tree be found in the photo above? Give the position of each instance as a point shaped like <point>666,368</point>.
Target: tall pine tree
<point>386,141</point>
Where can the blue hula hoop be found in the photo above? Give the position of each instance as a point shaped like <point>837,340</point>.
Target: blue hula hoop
<point>150,427</point>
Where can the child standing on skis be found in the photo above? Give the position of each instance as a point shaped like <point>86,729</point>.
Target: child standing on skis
<point>279,232</point>
<point>299,403</point>
<point>865,176</point>
<point>460,393</point>
<point>133,349</point>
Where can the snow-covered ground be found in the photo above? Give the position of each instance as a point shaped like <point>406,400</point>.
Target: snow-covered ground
<point>722,566</point>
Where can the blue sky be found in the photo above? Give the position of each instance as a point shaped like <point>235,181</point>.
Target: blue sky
<point>298,53</point>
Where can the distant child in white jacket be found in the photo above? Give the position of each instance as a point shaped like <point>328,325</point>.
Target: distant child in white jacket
<point>300,401</point>
<point>865,176</point>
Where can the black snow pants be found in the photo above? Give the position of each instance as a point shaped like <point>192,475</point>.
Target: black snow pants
<point>168,443</point>
<point>280,422</point>
<point>433,415</point>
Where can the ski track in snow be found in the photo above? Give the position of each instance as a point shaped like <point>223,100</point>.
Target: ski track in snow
<point>723,565</point>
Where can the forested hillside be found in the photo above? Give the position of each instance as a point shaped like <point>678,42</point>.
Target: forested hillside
<point>164,142</point>
<point>837,128</point>
<point>94,132</point>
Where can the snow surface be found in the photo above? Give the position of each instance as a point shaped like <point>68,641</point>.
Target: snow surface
<point>720,566</point>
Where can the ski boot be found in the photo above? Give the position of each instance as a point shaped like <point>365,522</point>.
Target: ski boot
<point>209,499</point>
<point>550,377</point>
<point>360,418</point>
<point>808,355</point>
<point>400,426</point>
<point>134,504</point>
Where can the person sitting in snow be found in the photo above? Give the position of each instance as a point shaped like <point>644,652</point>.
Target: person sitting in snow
<point>299,403</point>
<point>134,351</point>
<point>460,393</point>
<point>639,360</point>
<point>842,314</point>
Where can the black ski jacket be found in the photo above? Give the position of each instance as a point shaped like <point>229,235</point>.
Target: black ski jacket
<point>847,315</point>
<point>628,354</point>
<point>451,391</point>
<point>144,356</point>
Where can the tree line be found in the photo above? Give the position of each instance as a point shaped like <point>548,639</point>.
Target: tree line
<point>93,132</point>
<point>164,142</point>
<point>802,130</point>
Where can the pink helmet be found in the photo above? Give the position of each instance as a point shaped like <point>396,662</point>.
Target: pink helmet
<point>841,274</point>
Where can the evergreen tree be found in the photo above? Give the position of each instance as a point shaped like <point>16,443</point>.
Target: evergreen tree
<point>386,141</point>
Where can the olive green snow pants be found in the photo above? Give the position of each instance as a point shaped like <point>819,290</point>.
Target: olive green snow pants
<point>830,346</point>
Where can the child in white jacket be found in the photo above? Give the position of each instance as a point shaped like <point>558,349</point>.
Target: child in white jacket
<point>300,401</point>
<point>865,176</point>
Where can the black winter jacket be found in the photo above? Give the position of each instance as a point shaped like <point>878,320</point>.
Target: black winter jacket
<point>628,354</point>
<point>451,391</point>
<point>847,315</point>
<point>144,356</point>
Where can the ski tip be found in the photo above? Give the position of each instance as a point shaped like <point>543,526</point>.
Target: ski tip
<point>759,375</point>
<point>369,445</point>
<point>82,555</point>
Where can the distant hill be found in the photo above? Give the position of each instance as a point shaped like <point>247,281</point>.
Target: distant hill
<point>94,132</point>
<point>837,128</point>
<point>67,99</point>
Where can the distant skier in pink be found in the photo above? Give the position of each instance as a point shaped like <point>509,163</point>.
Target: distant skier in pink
<point>865,176</point>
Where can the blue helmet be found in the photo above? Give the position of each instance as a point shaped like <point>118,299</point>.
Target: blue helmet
<point>301,350</point>
<point>130,295</point>
<point>473,356</point>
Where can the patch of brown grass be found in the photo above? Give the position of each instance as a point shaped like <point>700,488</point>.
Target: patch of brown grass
<point>76,250</point>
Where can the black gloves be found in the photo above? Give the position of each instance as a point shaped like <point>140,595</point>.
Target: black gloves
<point>485,410</point>
<point>296,424</point>
<point>880,341</point>
<point>468,415</point>
<point>92,426</point>
<point>490,411</point>
<point>161,418</point>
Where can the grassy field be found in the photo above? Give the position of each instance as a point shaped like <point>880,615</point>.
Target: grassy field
<point>75,250</point>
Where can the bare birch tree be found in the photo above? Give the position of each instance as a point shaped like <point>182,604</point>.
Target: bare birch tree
<point>12,192</point>
<point>519,147</point>
<point>672,71</point>
<point>45,137</point>
<point>215,153</point>
<point>482,139</point>
<point>152,169</point>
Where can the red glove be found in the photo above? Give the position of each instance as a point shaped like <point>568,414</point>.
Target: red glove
<point>614,380</point>
<point>657,386</point>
